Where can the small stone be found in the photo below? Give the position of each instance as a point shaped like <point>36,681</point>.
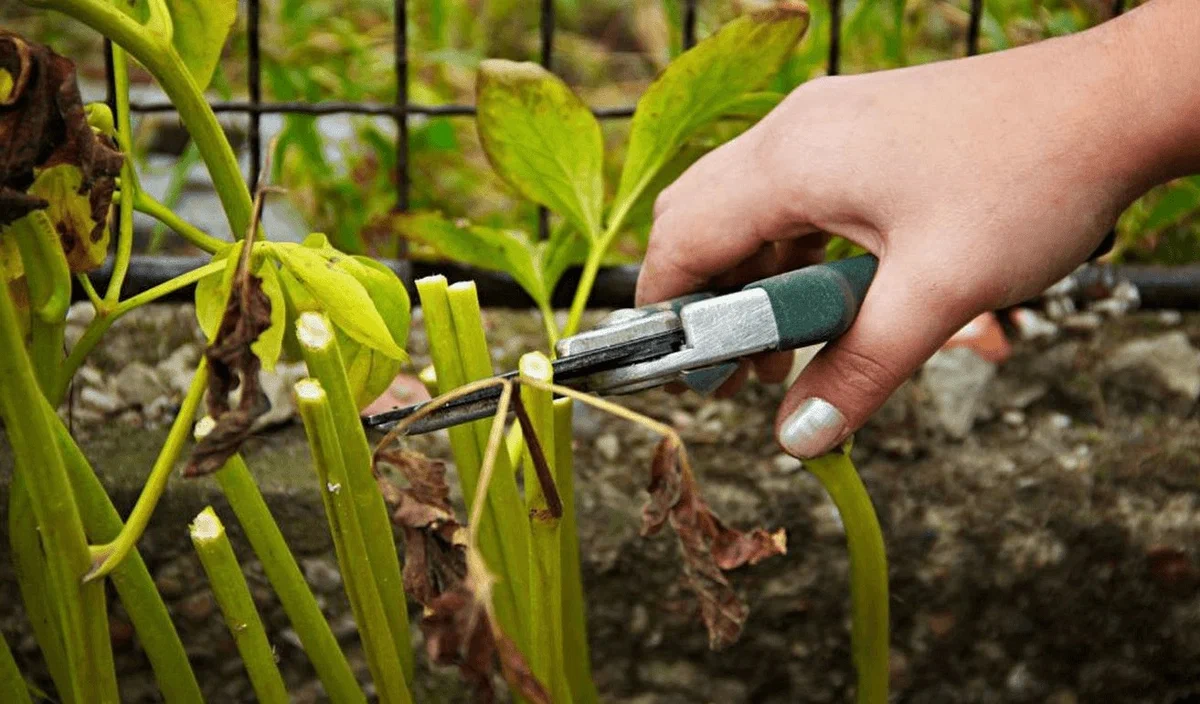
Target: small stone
<point>177,370</point>
<point>321,574</point>
<point>608,446</point>
<point>120,631</point>
<point>132,418</point>
<point>1082,322</point>
<point>102,401</point>
<point>1059,421</point>
<point>1031,326</point>
<point>898,669</point>
<point>81,314</point>
<point>957,380</point>
<point>1013,418</point>
<point>277,385</point>
<point>197,607</point>
<point>139,384</point>
<point>1169,359</point>
<point>169,585</point>
<point>1020,680</point>
<point>941,623</point>
<point>89,376</point>
<point>786,464</point>
<point>158,411</point>
<point>1170,318</point>
<point>639,619</point>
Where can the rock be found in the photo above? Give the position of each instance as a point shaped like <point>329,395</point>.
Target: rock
<point>177,370</point>
<point>1169,317</point>
<point>197,607</point>
<point>102,401</point>
<point>1013,418</point>
<point>1031,326</point>
<point>1082,322</point>
<point>957,381</point>
<point>1168,364</point>
<point>277,385</point>
<point>139,384</point>
<point>321,574</point>
<point>609,446</point>
<point>786,464</point>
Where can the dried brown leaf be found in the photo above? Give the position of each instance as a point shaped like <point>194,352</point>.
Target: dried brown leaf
<point>232,364</point>
<point>709,547</point>
<point>43,125</point>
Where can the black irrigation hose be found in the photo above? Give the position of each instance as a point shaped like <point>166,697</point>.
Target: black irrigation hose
<point>1160,287</point>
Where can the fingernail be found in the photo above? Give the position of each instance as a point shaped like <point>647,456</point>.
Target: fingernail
<point>812,429</point>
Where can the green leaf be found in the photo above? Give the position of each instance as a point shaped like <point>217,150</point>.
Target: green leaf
<point>484,247</point>
<point>340,295</point>
<point>753,106</point>
<point>542,139</point>
<point>1181,198</point>
<point>371,371</point>
<point>269,344</point>
<point>200,30</point>
<point>702,85</point>
<point>565,248</point>
<point>213,290</point>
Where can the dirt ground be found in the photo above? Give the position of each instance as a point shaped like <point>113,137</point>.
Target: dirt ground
<point>1050,555</point>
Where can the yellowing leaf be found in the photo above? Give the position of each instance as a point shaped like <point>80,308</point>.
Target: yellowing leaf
<point>340,295</point>
<point>212,293</point>
<point>81,219</point>
<point>542,139</point>
<point>703,84</point>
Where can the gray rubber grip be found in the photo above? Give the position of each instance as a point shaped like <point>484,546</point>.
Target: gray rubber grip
<point>818,303</point>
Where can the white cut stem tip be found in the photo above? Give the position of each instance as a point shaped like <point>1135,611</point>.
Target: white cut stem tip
<point>207,526</point>
<point>313,331</point>
<point>536,365</point>
<point>309,390</point>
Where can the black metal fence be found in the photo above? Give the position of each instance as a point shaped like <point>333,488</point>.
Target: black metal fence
<point>614,287</point>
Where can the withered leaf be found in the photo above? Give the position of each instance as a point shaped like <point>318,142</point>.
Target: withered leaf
<point>458,632</point>
<point>434,560</point>
<point>42,126</point>
<point>709,546</point>
<point>231,364</point>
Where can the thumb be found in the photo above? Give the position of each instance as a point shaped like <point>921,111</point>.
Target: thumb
<point>904,319</point>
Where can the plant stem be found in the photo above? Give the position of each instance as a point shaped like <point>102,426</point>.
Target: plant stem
<point>100,324</point>
<point>868,572</point>
<point>49,280</point>
<point>148,205</point>
<point>506,509</point>
<point>545,563</point>
<point>129,183</point>
<point>353,556</point>
<point>107,556</point>
<point>132,580</point>
<point>86,284</point>
<point>12,685</point>
<point>285,576</point>
<point>323,357</point>
<point>578,664</point>
<point>468,442</point>
<point>587,279</point>
<point>233,596</point>
<point>156,53</point>
<point>31,437</point>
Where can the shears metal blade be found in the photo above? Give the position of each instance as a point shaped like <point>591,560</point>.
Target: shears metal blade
<point>697,339</point>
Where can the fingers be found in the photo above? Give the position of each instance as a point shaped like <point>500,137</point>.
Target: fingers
<point>904,319</point>
<point>717,215</point>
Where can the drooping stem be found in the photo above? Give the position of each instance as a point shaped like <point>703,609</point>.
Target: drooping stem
<point>285,577</point>
<point>12,685</point>
<point>106,557</point>
<point>135,587</point>
<point>148,205</point>
<point>320,349</point>
<point>233,596</point>
<point>351,544</point>
<point>129,183</point>
<point>868,572</point>
<point>578,663</point>
<point>31,437</point>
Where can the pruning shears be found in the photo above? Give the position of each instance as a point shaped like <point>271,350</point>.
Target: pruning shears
<point>697,339</point>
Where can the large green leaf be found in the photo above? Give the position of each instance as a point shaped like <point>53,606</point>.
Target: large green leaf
<point>542,139</point>
<point>372,371</point>
<point>200,30</point>
<point>484,247</point>
<point>703,84</point>
<point>340,295</point>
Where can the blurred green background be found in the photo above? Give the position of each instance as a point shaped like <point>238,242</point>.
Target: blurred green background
<point>342,182</point>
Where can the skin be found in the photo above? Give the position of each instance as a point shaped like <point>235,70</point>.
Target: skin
<point>977,182</point>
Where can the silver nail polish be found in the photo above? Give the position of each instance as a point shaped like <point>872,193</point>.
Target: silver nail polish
<point>814,428</point>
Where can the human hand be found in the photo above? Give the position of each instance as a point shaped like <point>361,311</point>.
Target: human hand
<point>977,182</point>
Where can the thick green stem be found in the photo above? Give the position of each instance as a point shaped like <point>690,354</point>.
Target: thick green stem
<point>148,205</point>
<point>577,660</point>
<point>49,280</point>
<point>358,571</point>
<point>503,499</point>
<point>285,576</point>
<point>320,350</point>
<point>135,587</point>
<point>545,561</point>
<point>586,280</point>
<point>107,556</point>
<point>233,596</point>
<point>31,436</point>
<point>12,686</point>
<point>129,184</point>
<point>868,572</point>
<point>101,323</point>
<point>155,52</point>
